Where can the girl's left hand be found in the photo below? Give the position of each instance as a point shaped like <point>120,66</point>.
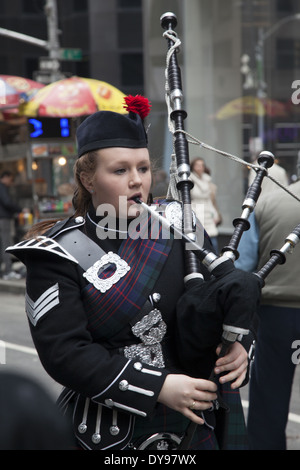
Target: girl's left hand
<point>236,362</point>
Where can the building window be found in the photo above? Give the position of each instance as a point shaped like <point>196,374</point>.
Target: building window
<point>132,69</point>
<point>223,54</point>
<point>80,5</point>
<point>285,54</point>
<point>285,6</point>
<point>31,65</point>
<point>36,7</point>
<point>4,65</point>
<point>130,3</point>
<point>130,31</point>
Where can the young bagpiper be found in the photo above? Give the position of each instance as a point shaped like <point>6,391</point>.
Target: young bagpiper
<point>102,289</point>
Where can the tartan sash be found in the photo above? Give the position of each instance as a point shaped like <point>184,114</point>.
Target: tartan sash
<point>109,312</point>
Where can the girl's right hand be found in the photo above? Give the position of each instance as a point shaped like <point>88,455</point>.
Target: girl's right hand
<point>186,394</point>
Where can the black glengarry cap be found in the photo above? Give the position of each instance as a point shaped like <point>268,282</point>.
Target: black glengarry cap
<point>109,129</point>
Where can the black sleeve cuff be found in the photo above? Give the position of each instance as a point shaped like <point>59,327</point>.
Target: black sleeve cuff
<point>134,390</point>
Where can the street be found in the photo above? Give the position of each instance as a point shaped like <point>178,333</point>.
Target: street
<point>20,355</point>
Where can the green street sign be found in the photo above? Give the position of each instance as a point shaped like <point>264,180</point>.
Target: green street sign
<point>71,54</point>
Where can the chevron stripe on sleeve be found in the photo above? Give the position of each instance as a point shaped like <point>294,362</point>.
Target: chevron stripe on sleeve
<point>37,309</point>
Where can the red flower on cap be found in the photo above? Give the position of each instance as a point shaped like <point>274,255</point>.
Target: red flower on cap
<point>137,104</point>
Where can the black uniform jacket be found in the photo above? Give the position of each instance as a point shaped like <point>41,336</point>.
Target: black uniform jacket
<point>112,349</point>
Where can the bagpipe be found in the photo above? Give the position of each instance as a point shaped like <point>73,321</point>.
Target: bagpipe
<point>220,308</point>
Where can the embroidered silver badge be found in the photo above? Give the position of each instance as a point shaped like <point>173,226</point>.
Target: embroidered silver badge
<point>92,274</point>
<point>150,329</point>
<point>173,213</point>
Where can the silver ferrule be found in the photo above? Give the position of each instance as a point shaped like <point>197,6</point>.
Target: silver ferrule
<point>250,203</point>
<point>232,333</point>
<point>229,255</point>
<point>188,277</point>
<point>287,247</point>
<point>183,171</point>
<point>215,263</point>
<point>176,99</point>
<point>246,212</point>
<point>209,259</point>
<point>292,238</point>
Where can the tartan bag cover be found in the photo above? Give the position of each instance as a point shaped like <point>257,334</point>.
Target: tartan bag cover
<point>231,431</point>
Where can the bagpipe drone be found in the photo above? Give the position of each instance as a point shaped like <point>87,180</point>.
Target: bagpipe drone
<point>219,309</point>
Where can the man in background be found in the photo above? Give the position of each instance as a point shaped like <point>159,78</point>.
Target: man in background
<point>7,210</point>
<point>276,215</point>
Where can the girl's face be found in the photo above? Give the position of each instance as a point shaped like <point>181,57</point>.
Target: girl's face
<point>121,172</point>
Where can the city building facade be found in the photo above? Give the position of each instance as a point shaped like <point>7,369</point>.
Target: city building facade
<point>236,58</point>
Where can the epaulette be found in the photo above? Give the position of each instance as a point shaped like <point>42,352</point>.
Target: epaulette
<point>40,243</point>
<point>63,225</point>
<point>47,242</point>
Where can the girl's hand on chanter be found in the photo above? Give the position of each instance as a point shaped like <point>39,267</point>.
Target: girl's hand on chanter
<point>186,394</point>
<point>235,362</point>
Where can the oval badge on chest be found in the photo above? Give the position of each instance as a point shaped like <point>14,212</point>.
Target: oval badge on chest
<point>103,284</point>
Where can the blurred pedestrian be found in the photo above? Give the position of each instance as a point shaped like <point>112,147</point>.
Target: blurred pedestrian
<point>204,200</point>
<point>7,210</point>
<point>276,215</point>
<point>29,418</point>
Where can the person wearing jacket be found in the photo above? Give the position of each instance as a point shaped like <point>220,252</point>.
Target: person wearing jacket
<point>7,210</point>
<point>277,348</point>
<point>204,204</point>
<point>101,295</point>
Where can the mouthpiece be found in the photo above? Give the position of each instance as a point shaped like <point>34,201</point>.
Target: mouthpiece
<point>137,200</point>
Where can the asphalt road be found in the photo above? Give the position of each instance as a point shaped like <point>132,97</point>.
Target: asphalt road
<point>17,353</point>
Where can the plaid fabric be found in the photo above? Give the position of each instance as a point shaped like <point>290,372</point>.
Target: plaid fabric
<point>109,312</point>
<point>167,420</point>
<point>231,427</point>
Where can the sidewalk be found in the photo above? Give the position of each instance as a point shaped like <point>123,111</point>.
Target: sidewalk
<point>13,286</point>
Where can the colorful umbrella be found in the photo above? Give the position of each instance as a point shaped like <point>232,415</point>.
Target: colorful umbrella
<point>15,90</point>
<point>75,96</point>
<point>9,96</point>
<point>24,86</point>
<point>252,105</point>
